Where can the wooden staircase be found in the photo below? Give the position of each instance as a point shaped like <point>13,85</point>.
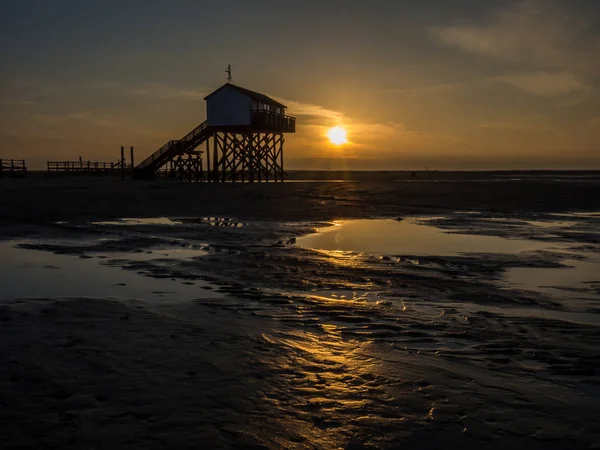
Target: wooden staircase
<point>148,167</point>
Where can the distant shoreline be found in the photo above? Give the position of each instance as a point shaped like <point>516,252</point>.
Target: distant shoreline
<point>293,173</point>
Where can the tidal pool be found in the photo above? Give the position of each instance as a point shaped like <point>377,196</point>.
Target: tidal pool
<point>41,274</point>
<point>578,278</point>
<point>409,237</point>
<point>166,221</point>
<point>413,237</point>
<point>139,221</point>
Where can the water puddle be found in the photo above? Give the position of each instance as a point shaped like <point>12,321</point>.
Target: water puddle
<point>409,237</point>
<point>41,274</point>
<point>578,282</point>
<point>159,254</point>
<point>166,221</point>
<point>585,215</point>
<point>579,279</point>
<point>215,222</point>
<point>550,223</point>
<point>140,221</point>
<point>522,312</point>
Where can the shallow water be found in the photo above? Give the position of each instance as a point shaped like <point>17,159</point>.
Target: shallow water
<point>38,274</point>
<point>414,237</point>
<point>574,280</point>
<point>588,214</point>
<point>148,221</point>
<point>159,254</point>
<point>409,237</point>
<point>140,221</point>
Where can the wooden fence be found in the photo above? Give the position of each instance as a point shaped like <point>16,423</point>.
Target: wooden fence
<point>97,167</point>
<point>13,168</point>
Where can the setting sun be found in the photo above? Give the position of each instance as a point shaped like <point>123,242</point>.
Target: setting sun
<point>337,135</point>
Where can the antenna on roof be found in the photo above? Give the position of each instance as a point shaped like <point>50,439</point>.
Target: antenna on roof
<point>228,71</point>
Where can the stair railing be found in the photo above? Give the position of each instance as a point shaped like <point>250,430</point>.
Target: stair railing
<point>169,145</point>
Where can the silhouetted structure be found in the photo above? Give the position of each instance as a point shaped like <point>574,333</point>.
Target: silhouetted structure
<point>243,137</point>
<point>88,167</point>
<point>13,168</point>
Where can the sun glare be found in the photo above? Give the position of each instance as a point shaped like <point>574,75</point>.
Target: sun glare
<point>337,135</point>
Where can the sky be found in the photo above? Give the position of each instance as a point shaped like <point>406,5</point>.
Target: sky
<point>437,84</point>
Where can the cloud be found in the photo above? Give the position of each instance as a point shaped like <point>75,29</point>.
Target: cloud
<point>317,119</point>
<point>36,91</point>
<point>381,131</point>
<point>309,110</point>
<point>539,32</point>
<point>434,89</point>
<point>527,124</point>
<point>85,117</point>
<point>90,117</point>
<point>554,48</point>
<point>74,125</point>
<point>545,84</point>
<point>165,92</point>
<point>365,138</point>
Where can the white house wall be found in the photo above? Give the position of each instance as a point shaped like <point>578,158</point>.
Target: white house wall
<point>229,107</point>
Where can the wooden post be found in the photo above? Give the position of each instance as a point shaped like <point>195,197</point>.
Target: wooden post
<point>208,174</point>
<point>281,153</point>
<point>251,159</point>
<point>234,150</point>
<point>270,149</point>
<point>200,172</point>
<point>122,163</point>
<point>244,156</point>
<point>224,152</point>
<point>215,160</point>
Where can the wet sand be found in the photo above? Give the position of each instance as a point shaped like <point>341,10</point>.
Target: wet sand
<point>263,338</point>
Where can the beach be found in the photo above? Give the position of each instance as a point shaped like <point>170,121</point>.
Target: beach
<point>334,310</point>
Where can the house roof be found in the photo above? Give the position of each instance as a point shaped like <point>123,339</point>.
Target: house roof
<point>252,94</point>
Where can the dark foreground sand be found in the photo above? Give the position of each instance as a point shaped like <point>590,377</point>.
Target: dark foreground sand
<point>273,361</point>
<point>39,199</point>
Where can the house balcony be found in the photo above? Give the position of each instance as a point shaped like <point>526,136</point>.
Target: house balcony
<point>267,120</point>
